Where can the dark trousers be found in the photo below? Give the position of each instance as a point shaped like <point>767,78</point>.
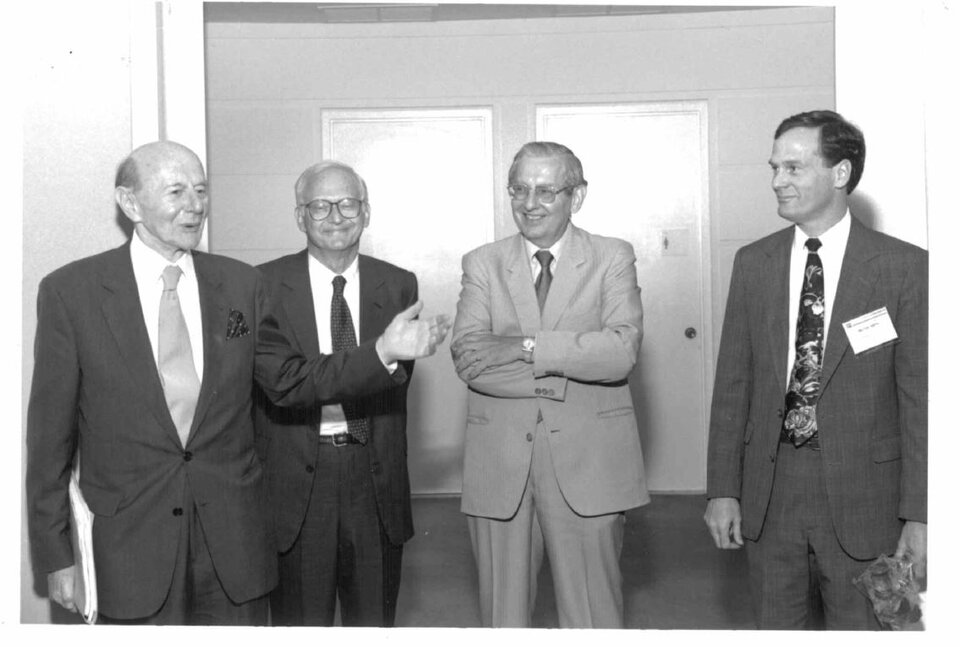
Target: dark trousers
<point>797,563</point>
<point>196,596</point>
<point>341,550</point>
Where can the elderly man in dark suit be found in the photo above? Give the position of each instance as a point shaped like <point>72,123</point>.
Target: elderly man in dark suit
<point>818,432</point>
<point>146,357</point>
<point>548,329</point>
<point>337,472</point>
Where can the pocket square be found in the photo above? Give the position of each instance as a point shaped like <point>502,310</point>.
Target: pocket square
<point>236,325</point>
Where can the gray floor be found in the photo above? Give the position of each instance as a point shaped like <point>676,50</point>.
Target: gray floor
<point>674,578</point>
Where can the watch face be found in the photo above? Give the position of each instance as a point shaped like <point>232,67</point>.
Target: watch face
<point>528,344</point>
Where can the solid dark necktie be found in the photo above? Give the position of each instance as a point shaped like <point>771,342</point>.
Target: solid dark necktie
<point>343,337</point>
<point>544,257</point>
<point>800,421</point>
<point>178,375</point>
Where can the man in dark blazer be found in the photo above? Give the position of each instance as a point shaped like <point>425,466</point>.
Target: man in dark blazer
<point>340,500</point>
<point>548,330</point>
<point>818,442</point>
<point>180,533</point>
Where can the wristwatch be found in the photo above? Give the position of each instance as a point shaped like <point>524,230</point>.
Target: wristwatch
<point>529,343</point>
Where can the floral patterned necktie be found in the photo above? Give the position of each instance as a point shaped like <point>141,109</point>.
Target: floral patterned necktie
<point>344,337</point>
<point>800,421</point>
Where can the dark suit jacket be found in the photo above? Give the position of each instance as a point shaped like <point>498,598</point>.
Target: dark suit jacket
<point>95,384</point>
<point>287,438</point>
<point>872,412</point>
<point>588,341</point>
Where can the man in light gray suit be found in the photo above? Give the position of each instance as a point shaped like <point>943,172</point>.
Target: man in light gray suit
<point>819,482</point>
<point>548,329</point>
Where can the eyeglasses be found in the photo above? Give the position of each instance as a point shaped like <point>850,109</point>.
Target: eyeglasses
<point>544,194</point>
<point>348,208</point>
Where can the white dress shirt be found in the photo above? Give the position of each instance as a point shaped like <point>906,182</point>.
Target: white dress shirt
<point>148,266</point>
<point>332,418</point>
<point>833,244</point>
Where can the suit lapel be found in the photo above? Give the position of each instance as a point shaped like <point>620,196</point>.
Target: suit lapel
<point>520,286</point>
<point>566,278</point>
<point>777,296</point>
<point>124,315</point>
<point>214,314</point>
<point>372,291</point>
<point>854,290</point>
<point>296,298</point>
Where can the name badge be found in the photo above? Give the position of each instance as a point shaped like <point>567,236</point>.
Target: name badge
<point>870,330</point>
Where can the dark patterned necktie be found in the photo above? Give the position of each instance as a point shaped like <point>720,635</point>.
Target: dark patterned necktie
<point>546,278</point>
<point>343,337</point>
<point>800,421</point>
<point>178,374</point>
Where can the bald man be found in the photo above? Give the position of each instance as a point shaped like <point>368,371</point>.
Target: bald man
<point>145,361</point>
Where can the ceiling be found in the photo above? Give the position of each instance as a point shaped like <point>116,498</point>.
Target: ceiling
<point>300,12</point>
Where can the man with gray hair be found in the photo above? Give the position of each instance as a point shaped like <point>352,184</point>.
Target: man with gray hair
<point>337,473</point>
<point>145,361</point>
<point>548,330</point>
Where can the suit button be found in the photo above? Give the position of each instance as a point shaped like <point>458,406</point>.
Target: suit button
<point>529,437</point>
<point>549,391</point>
<point>538,391</point>
<point>779,413</point>
<point>309,469</point>
<point>177,512</point>
<point>188,456</point>
<point>773,458</point>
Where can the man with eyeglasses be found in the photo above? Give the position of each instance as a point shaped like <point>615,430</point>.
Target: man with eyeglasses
<point>144,364</point>
<point>337,473</point>
<point>548,329</point>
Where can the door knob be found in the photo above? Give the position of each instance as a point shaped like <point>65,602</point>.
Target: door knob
<point>690,333</point>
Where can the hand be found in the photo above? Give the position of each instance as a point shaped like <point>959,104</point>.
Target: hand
<point>60,586</point>
<point>912,547</point>
<point>479,351</point>
<point>410,338</point>
<point>723,520</point>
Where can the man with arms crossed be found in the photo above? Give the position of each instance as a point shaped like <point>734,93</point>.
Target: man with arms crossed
<point>821,481</point>
<point>146,357</point>
<point>548,329</point>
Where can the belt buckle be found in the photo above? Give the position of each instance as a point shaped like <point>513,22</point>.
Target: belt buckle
<point>340,443</point>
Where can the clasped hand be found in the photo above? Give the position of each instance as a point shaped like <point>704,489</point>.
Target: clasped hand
<point>410,338</point>
<point>476,352</point>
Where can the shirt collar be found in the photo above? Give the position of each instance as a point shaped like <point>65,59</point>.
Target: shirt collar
<point>832,239</point>
<point>148,264</point>
<point>325,274</point>
<point>556,249</point>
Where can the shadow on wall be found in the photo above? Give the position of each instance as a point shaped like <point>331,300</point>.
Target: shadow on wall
<point>865,209</point>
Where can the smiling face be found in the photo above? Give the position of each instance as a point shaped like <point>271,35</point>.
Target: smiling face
<point>169,207</point>
<point>544,224</point>
<point>335,239</point>
<point>810,192</point>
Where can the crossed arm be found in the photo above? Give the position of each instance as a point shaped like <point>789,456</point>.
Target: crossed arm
<point>494,363</point>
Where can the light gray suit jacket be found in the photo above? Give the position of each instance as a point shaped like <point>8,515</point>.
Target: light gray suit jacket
<point>588,340</point>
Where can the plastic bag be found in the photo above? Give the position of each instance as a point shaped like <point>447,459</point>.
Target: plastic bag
<point>894,592</point>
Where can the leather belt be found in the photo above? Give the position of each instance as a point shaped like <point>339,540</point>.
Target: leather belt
<point>339,440</point>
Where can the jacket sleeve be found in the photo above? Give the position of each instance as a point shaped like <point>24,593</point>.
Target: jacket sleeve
<point>291,380</point>
<point>731,393</point>
<point>910,365</point>
<point>51,431</point>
